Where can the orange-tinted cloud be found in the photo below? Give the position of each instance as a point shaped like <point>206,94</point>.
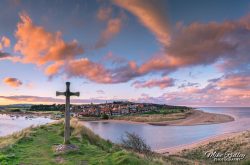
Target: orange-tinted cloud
<point>39,46</point>
<point>161,83</point>
<point>85,68</point>
<point>54,68</point>
<point>104,13</point>
<point>113,28</point>
<point>151,14</point>
<point>13,82</point>
<point>4,42</point>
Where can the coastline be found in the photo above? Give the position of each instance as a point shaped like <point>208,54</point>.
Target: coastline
<point>193,117</point>
<point>178,149</point>
<point>198,117</point>
<point>37,114</point>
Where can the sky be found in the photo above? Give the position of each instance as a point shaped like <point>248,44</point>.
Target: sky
<point>178,52</point>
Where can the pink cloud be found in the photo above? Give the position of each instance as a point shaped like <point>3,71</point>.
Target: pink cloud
<point>234,81</point>
<point>161,83</point>
<point>50,100</point>
<point>203,44</point>
<point>210,95</point>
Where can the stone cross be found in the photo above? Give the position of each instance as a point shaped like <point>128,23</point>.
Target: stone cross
<point>67,111</point>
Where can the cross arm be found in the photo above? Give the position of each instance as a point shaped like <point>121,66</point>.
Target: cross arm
<point>60,93</point>
<point>74,93</point>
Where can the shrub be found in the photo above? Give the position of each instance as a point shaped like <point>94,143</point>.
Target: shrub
<point>105,116</point>
<point>135,143</point>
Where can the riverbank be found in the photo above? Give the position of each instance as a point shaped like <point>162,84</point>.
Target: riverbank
<point>36,145</point>
<point>28,113</point>
<point>191,117</point>
<point>178,149</point>
<point>231,148</point>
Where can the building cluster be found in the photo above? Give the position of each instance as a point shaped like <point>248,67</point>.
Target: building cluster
<point>116,108</point>
<point>111,109</point>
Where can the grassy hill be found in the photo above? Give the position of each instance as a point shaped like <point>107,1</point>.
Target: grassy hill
<point>35,146</point>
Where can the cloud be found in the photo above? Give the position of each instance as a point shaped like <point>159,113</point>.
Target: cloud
<point>104,13</point>
<point>125,72</point>
<point>13,82</point>
<point>113,27</point>
<point>39,99</point>
<point>114,58</point>
<point>190,45</point>
<point>85,68</point>
<point>241,81</point>
<point>203,44</point>
<point>5,42</point>
<point>4,55</point>
<point>161,83</point>
<point>100,92</point>
<point>39,46</point>
<point>54,68</point>
<point>189,84</point>
<point>151,14</point>
<point>220,92</point>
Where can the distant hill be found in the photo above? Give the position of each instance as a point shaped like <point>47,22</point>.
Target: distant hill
<point>17,106</point>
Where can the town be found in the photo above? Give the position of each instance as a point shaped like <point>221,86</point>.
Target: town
<point>116,108</point>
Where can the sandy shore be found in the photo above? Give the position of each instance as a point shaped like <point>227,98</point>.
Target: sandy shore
<point>177,149</point>
<point>196,117</point>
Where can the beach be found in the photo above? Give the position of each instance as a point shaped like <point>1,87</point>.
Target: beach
<point>177,149</point>
<point>195,117</point>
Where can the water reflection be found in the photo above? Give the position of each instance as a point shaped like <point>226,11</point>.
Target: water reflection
<point>169,136</point>
<point>14,123</point>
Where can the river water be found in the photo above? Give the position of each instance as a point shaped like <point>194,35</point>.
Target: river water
<point>159,137</point>
<point>8,124</point>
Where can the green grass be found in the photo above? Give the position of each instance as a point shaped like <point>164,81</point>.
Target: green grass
<point>36,147</point>
<point>165,111</point>
<point>161,115</point>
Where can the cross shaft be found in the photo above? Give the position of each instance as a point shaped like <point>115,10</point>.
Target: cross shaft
<point>67,93</point>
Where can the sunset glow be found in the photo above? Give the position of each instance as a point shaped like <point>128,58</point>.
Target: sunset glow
<point>138,50</point>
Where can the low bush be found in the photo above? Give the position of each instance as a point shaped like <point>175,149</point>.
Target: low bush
<point>105,116</point>
<point>136,143</point>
